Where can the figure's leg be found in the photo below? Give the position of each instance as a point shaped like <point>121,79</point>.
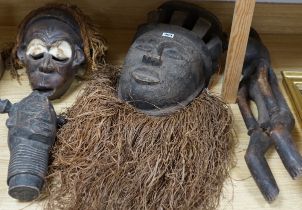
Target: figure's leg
<point>287,119</point>
<point>259,144</point>
<point>280,121</point>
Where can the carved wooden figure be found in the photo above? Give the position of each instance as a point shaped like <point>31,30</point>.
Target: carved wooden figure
<point>32,127</point>
<point>275,120</point>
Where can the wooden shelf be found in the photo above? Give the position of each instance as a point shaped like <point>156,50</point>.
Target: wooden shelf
<point>269,1</point>
<point>280,27</point>
<point>117,14</point>
<point>241,191</point>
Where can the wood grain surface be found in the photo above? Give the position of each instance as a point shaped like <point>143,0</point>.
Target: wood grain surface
<point>241,24</point>
<point>118,14</point>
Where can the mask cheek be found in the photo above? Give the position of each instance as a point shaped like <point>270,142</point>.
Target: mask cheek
<point>65,70</point>
<point>31,66</point>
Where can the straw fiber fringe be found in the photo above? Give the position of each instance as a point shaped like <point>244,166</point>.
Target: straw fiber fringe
<point>94,44</point>
<point>109,156</point>
<point>5,53</point>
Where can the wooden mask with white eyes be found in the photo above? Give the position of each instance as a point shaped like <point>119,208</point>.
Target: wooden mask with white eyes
<point>52,51</point>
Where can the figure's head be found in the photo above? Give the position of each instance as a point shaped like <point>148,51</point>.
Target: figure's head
<point>168,65</point>
<point>256,52</point>
<point>51,46</point>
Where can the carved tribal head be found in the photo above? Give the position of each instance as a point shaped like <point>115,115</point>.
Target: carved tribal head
<point>53,43</point>
<point>171,58</point>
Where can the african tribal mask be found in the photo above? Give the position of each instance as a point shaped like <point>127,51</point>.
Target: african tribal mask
<point>52,43</point>
<point>171,59</point>
<point>113,155</point>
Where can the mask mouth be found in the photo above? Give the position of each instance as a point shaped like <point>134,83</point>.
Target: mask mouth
<point>44,81</point>
<point>47,71</point>
<point>46,90</point>
<point>145,76</point>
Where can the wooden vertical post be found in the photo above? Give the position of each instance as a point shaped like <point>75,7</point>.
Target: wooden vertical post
<point>242,20</point>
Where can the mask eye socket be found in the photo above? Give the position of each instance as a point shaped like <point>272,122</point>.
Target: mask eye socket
<point>61,51</point>
<point>36,49</point>
<point>37,57</point>
<point>59,59</point>
<point>143,46</point>
<point>172,53</point>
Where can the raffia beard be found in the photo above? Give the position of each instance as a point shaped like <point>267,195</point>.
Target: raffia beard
<point>110,156</point>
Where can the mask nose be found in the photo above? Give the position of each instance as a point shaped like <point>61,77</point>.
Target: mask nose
<point>47,66</point>
<point>153,60</point>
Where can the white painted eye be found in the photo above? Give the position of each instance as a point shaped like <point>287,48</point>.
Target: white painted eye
<point>61,50</point>
<point>36,47</point>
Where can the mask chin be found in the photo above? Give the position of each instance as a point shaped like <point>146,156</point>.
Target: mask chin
<point>47,91</point>
<point>52,93</point>
<point>58,92</point>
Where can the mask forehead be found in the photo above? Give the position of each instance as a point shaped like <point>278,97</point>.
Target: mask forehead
<point>156,44</point>
<point>167,38</point>
<point>51,30</point>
